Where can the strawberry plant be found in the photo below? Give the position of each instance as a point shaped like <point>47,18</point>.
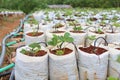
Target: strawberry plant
<point>32,50</point>
<point>99,31</point>
<point>79,28</point>
<point>59,41</point>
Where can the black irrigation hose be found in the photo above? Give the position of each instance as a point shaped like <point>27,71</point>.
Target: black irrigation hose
<point>5,73</point>
<point>12,76</point>
<point>106,43</point>
<point>43,43</point>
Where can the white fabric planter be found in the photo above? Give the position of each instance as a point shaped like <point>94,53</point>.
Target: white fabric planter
<point>31,39</point>
<point>63,67</point>
<point>31,68</point>
<point>79,38</point>
<point>114,66</point>
<point>46,27</point>
<point>27,27</point>
<point>113,37</point>
<point>91,66</point>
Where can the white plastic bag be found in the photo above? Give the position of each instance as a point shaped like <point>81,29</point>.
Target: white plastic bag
<point>114,66</point>
<point>31,68</point>
<point>113,37</point>
<point>31,39</point>
<point>91,66</point>
<point>63,67</point>
<point>79,38</point>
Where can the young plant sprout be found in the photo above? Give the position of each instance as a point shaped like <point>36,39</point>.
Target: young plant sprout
<point>57,25</point>
<point>116,24</point>
<point>99,31</point>
<point>35,30</point>
<point>79,28</point>
<point>59,41</point>
<point>32,50</point>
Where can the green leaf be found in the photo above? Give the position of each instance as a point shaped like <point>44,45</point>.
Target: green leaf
<point>118,59</point>
<point>91,37</point>
<point>59,52</point>
<point>54,41</point>
<point>112,78</point>
<point>67,38</point>
<point>78,28</point>
<point>23,51</point>
<point>99,30</point>
<point>35,45</point>
<point>116,24</point>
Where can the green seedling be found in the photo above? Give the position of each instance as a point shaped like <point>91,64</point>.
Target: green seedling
<point>116,24</point>
<point>99,30</point>
<point>59,52</point>
<point>33,49</point>
<point>78,28</point>
<point>59,41</point>
<point>91,37</point>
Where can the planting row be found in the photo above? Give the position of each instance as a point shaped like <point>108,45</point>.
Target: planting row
<point>66,61</point>
<point>75,46</point>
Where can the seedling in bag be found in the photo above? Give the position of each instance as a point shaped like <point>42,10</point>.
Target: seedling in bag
<point>32,50</point>
<point>59,41</point>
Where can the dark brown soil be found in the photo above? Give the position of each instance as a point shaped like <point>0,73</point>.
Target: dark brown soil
<point>58,31</point>
<point>78,15</point>
<point>65,50</point>
<point>34,34</point>
<point>93,19</point>
<point>70,20</point>
<point>111,32</point>
<point>97,32</point>
<point>118,48</point>
<point>59,18</point>
<point>39,53</point>
<point>58,26</point>
<point>93,50</point>
<point>77,31</point>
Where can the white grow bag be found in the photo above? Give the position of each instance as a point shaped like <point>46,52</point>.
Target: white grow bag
<point>114,66</point>
<point>31,39</point>
<point>28,27</point>
<point>113,37</point>
<point>31,68</point>
<point>91,66</point>
<point>63,67</point>
<point>79,38</point>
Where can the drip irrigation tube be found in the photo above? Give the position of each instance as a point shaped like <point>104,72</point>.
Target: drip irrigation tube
<point>7,67</point>
<point>14,42</point>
